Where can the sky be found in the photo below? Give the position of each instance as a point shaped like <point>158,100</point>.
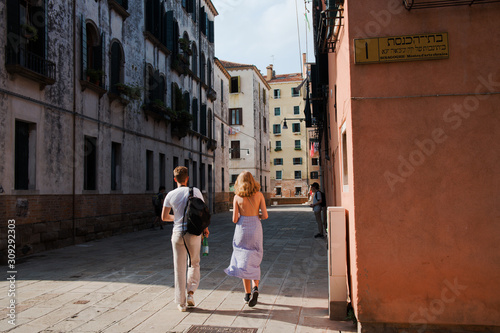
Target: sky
<point>264,32</point>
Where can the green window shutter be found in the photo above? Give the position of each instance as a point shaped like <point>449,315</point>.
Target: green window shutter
<point>239,84</point>
<point>84,47</point>
<point>211,31</point>
<point>195,114</point>
<point>170,30</point>
<point>13,21</point>
<point>203,120</point>
<point>115,66</point>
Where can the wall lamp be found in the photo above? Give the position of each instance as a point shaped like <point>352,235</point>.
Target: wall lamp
<point>285,126</point>
<point>232,149</point>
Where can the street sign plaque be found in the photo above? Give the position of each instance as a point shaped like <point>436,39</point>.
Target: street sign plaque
<point>401,48</point>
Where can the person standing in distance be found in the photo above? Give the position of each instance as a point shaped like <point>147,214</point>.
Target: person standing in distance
<point>249,207</point>
<point>316,206</point>
<point>177,200</point>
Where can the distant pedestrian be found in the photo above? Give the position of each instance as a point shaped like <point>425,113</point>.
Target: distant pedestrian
<point>317,209</point>
<point>181,243</point>
<point>249,207</point>
<point>158,206</point>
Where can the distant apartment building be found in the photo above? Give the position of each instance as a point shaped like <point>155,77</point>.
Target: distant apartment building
<point>290,147</point>
<point>100,101</point>
<point>222,78</point>
<point>248,123</point>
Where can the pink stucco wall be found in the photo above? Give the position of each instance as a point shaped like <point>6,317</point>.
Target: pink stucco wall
<point>424,187</point>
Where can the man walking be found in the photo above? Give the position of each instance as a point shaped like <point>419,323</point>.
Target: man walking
<point>183,242</point>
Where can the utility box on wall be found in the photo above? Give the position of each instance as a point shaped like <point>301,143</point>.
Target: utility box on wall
<point>337,263</point>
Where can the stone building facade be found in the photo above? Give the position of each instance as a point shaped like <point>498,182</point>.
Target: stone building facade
<point>99,101</point>
<point>248,119</point>
<point>294,165</point>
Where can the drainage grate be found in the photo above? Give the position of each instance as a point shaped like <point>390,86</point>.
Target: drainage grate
<point>220,329</point>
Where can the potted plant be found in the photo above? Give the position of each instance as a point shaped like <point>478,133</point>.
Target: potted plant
<point>181,122</point>
<point>185,45</point>
<point>132,92</point>
<point>29,32</point>
<point>94,75</point>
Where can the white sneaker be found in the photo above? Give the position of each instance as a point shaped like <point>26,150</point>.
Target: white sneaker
<point>190,300</point>
<point>182,308</point>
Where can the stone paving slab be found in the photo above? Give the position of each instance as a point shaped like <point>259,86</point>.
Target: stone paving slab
<point>126,284</point>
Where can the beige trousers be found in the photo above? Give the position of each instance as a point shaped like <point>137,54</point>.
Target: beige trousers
<point>182,287</point>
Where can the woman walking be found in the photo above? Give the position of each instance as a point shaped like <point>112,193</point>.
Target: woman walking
<point>249,207</point>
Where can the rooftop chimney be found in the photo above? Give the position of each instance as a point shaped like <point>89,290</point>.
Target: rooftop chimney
<point>270,72</point>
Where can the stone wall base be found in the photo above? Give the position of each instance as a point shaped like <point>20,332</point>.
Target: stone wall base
<point>364,327</point>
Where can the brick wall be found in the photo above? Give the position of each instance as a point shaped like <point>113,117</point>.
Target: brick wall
<point>45,222</point>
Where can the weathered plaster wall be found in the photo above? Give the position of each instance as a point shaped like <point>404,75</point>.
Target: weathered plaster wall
<point>424,206</point>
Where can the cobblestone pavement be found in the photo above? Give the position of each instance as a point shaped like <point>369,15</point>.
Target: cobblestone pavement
<point>125,283</point>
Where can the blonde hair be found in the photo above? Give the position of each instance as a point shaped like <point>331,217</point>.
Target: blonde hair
<point>245,185</point>
<point>181,173</point>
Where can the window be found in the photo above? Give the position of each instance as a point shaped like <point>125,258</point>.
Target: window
<point>295,92</point>
<point>203,68</point>
<point>175,162</point>
<point>279,174</point>
<point>345,169</point>
<point>194,59</point>
<point>264,123</point>
<point>195,174</point>
<point>297,145</point>
<point>278,146</point>
<point>296,110</point>
<point>264,95</point>
<point>297,160</point>
<point>92,54</point>
<point>277,111</point>
<point>25,155</point>
<point>222,135</point>
<point>116,66</point>
<point>298,174</point>
<point>314,175</point>
<point>235,149</point>
<point>26,42</point>
<point>315,161</point>
<point>221,90</point>
<point>162,170</point>
<point>278,161</point>
<point>277,93</point>
<point>276,129</point>
<point>233,178</point>
<point>298,191</point>
<point>195,115</point>
<point>278,191</point>
<point>90,163</point>
<point>202,177</point>
<point>149,170</point>
<point>236,116</point>
<point>203,120</point>
<point>223,184</point>
<point>296,128</point>
<point>116,166</point>
<point>156,86</point>
<point>235,85</point>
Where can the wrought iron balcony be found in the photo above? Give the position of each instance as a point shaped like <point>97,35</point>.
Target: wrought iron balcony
<point>421,4</point>
<point>28,64</point>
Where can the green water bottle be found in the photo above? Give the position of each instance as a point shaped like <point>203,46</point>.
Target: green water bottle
<point>204,246</point>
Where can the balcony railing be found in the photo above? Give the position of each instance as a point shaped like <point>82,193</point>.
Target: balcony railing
<point>23,62</point>
<point>421,4</point>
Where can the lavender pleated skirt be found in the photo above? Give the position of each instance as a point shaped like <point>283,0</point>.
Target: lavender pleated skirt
<point>247,249</point>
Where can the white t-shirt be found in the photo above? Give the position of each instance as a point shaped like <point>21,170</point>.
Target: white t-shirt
<point>177,200</point>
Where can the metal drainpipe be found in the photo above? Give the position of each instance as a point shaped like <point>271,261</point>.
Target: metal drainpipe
<point>74,125</point>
